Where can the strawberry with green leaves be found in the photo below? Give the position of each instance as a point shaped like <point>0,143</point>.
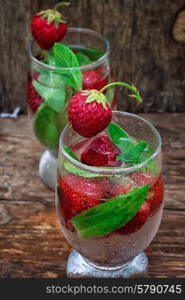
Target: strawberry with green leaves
<point>48,27</point>
<point>89,110</point>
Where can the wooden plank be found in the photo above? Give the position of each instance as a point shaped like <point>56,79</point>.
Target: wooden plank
<point>20,153</point>
<point>32,244</point>
<point>156,61</point>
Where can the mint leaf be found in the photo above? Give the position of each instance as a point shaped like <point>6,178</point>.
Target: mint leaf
<point>76,171</point>
<point>116,132</point>
<point>104,218</point>
<point>68,150</point>
<point>83,59</point>
<point>132,154</point>
<point>93,54</point>
<point>65,58</point>
<point>45,126</point>
<point>54,97</point>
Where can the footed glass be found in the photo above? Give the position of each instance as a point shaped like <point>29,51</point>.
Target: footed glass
<point>48,92</point>
<point>90,204</point>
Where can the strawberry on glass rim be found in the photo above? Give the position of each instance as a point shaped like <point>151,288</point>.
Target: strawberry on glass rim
<point>89,110</point>
<point>49,26</point>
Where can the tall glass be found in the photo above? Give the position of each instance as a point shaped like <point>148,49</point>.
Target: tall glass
<point>46,84</point>
<point>119,253</point>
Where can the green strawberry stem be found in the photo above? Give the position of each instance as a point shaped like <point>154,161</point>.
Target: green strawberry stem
<point>61,4</point>
<point>131,87</point>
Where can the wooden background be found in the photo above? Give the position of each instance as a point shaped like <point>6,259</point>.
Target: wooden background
<point>147,39</point>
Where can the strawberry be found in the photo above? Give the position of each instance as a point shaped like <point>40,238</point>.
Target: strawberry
<point>81,193</point>
<point>33,98</point>
<point>89,112</point>
<point>156,189</point>
<point>157,195</point>
<point>138,221</point>
<point>101,152</point>
<point>48,27</point>
<point>92,79</point>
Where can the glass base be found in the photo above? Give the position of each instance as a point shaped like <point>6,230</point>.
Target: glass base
<point>78,267</point>
<point>48,169</point>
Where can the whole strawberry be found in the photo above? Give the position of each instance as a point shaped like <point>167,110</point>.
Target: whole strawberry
<point>89,112</point>
<point>101,152</point>
<point>48,27</point>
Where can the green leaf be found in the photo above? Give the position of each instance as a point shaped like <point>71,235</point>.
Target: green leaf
<point>92,54</point>
<point>68,150</point>
<point>76,171</point>
<point>45,126</point>
<point>104,218</point>
<point>65,58</point>
<point>132,154</point>
<point>116,132</point>
<point>53,97</point>
<point>83,59</point>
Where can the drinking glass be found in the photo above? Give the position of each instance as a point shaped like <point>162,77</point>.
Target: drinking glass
<point>46,84</point>
<point>79,187</point>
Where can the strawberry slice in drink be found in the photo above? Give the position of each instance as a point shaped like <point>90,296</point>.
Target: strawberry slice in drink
<point>81,193</point>
<point>150,206</point>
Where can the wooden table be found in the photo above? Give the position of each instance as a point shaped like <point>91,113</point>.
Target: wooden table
<point>31,242</point>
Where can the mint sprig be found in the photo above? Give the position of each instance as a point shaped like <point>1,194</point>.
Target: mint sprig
<point>65,58</point>
<point>132,152</point>
<point>54,97</point>
<point>104,218</point>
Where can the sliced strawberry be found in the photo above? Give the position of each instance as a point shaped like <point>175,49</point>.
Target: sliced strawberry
<point>33,98</point>
<point>92,79</point>
<point>138,221</point>
<point>101,152</point>
<point>157,198</point>
<point>81,193</point>
<point>157,187</point>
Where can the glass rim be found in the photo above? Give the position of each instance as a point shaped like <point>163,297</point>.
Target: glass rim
<point>84,67</point>
<point>114,170</point>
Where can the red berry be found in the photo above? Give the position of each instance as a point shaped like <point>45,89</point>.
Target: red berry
<point>157,191</point>
<point>92,79</point>
<point>101,152</point>
<point>139,220</point>
<point>47,34</point>
<point>33,98</point>
<point>81,193</point>
<point>88,119</point>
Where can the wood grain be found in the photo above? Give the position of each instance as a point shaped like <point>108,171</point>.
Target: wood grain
<point>143,50</point>
<point>32,244</point>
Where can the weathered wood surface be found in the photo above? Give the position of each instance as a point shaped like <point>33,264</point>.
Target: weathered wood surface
<point>147,40</point>
<point>31,241</point>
